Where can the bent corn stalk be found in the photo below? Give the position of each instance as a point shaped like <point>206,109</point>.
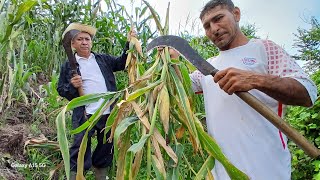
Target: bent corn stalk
<point>154,107</point>
<point>164,87</point>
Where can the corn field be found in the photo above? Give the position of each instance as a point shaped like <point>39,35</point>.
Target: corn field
<point>157,124</point>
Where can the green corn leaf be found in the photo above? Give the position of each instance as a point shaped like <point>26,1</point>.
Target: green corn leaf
<point>205,169</point>
<point>82,151</point>
<point>63,141</point>
<point>1,4</point>
<point>152,68</point>
<point>92,120</point>
<point>154,117</point>
<point>159,170</point>
<point>166,26</point>
<point>89,98</point>
<point>174,172</point>
<point>122,127</point>
<point>214,150</point>
<point>186,79</point>
<point>24,96</point>
<point>186,107</point>
<point>138,146</point>
<point>149,160</point>
<point>110,121</point>
<point>128,166</point>
<point>143,11</point>
<point>142,91</point>
<point>131,153</point>
<point>155,17</point>
<point>23,8</point>
<point>96,116</point>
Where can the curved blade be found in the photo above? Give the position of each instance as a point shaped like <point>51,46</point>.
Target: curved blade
<point>183,47</point>
<point>66,42</point>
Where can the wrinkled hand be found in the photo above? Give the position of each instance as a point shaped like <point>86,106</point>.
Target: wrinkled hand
<point>131,33</point>
<point>76,81</point>
<point>231,80</point>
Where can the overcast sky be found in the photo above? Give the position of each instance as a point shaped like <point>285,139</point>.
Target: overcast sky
<point>274,19</point>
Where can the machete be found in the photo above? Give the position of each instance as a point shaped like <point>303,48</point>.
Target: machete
<point>66,42</point>
<point>183,47</point>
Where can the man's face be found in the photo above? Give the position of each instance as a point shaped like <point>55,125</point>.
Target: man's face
<point>221,26</point>
<point>82,43</point>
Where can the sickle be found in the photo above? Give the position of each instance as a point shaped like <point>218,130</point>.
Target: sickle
<point>66,42</point>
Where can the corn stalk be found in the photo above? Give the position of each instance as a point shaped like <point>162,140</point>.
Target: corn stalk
<point>13,78</point>
<point>153,110</point>
<point>151,120</point>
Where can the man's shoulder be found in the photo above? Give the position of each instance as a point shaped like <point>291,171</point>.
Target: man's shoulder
<point>265,42</point>
<point>101,55</point>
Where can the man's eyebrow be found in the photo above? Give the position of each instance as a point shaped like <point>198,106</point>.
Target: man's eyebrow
<point>213,18</point>
<point>216,16</point>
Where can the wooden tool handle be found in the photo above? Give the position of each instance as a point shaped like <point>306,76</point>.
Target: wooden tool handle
<point>80,91</point>
<point>278,122</point>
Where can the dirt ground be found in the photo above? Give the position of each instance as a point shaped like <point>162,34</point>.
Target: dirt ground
<point>14,132</point>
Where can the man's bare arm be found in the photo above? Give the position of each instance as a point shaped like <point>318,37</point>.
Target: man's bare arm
<point>286,90</point>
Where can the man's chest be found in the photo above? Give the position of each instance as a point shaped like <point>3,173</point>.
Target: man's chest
<point>90,70</point>
<point>246,60</point>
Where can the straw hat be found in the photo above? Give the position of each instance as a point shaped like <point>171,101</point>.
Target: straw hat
<point>81,27</point>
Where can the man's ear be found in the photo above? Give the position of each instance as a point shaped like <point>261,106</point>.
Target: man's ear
<point>236,14</point>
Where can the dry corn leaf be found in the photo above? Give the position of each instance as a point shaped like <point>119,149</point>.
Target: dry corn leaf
<point>156,133</point>
<point>164,105</point>
<point>180,132</point>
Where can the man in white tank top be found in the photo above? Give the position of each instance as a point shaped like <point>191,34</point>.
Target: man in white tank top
<point>264,69</point>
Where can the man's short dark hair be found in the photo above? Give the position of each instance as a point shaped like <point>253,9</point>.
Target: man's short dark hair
<point>214,3</point>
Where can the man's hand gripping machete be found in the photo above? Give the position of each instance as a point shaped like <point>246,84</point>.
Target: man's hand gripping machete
<point>66,42</point>
<point>183,47</point>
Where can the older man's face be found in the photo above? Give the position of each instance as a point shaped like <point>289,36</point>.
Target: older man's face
<point>82,43</point>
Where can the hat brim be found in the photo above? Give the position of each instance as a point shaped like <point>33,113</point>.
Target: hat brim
<point>82,28</point>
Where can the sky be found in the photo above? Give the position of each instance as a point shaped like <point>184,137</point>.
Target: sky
<point>276,20</point>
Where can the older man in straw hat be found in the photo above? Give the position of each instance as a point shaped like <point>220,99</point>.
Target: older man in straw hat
<point>95,75</point>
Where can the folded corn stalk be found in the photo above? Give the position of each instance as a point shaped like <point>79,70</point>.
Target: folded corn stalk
<point>152,120</point>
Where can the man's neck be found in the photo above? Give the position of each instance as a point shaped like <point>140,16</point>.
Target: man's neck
<point>239,40</point>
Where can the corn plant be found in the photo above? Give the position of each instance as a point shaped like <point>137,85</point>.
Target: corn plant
<point>150,120</point>
<point>11,71</point>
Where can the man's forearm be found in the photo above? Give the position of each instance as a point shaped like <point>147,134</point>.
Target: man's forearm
<point>286,90</point>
